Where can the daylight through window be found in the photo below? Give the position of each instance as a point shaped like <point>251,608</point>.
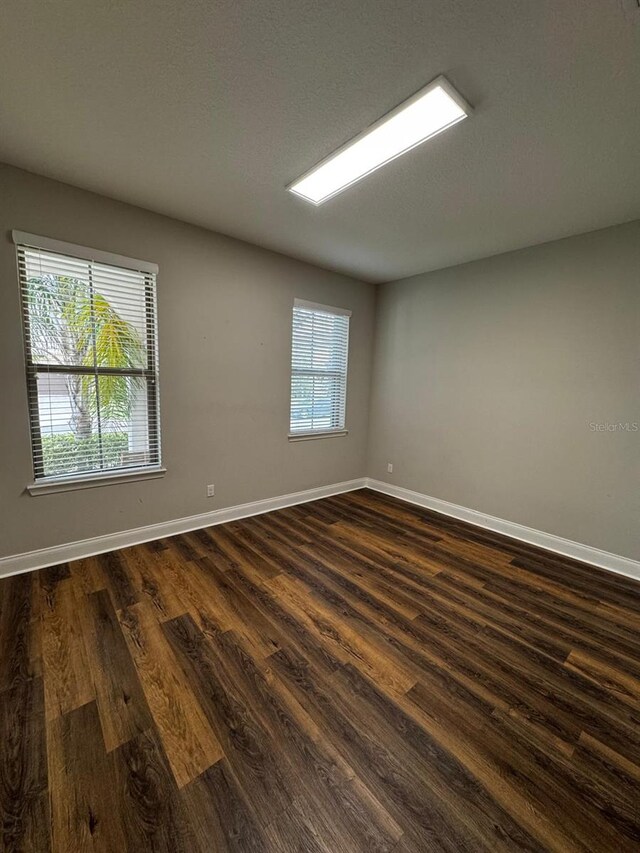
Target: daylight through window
<point>320,345</point>
<point>91,358</point>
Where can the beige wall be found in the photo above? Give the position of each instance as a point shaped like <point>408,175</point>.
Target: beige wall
<point>224,312</point>
<point>487,377</point>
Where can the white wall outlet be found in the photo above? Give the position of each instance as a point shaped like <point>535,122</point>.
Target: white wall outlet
<point>389,467</point>
<point>211,490</point>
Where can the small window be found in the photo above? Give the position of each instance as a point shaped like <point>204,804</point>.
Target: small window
<point>320,346</point>
<point>91,358</point>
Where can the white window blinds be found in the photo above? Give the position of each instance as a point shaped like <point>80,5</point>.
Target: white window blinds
<point>91,359</point>
<point>320,346</point>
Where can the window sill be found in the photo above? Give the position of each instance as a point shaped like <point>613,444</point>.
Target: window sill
<point>90,481</point>
<point>308,436</point>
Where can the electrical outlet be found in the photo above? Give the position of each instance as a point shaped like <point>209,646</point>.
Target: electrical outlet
<point>389,467</point>
<point>211,490</point>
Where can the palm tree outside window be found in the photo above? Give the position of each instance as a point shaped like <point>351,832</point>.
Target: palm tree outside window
<point>91,360</point>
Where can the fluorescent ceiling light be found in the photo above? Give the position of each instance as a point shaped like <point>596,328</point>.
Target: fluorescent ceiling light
<point>429,112</point>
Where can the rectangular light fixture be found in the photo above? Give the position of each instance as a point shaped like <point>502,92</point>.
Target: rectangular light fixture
<point>429,112</point>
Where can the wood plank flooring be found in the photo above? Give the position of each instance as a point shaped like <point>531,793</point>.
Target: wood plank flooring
<point>353,674</point>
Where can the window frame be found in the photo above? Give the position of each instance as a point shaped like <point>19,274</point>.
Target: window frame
<point>331,432</point>
<point>43,483</point>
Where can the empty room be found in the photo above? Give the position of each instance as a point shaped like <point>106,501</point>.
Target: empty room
<point>320,426</point>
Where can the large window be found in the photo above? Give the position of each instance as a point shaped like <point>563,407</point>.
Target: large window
<point>91,358</point>
<point>320,346</point>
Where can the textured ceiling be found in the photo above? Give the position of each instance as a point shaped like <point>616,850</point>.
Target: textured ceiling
<point>206,110</point>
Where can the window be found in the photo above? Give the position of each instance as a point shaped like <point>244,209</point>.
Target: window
<point>91,358</point>
<point>320,345</point>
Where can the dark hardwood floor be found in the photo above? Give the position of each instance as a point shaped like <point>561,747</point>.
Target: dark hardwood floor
<point>354,674</point>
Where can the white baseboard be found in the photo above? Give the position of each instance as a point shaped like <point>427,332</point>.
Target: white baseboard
<point>566,547</point>
<point>98,545</point>
<point>43,557</point>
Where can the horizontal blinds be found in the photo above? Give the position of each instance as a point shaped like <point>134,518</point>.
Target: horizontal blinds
<point>91,356</point>
<point>58,247</point>
<point>320,344</point>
